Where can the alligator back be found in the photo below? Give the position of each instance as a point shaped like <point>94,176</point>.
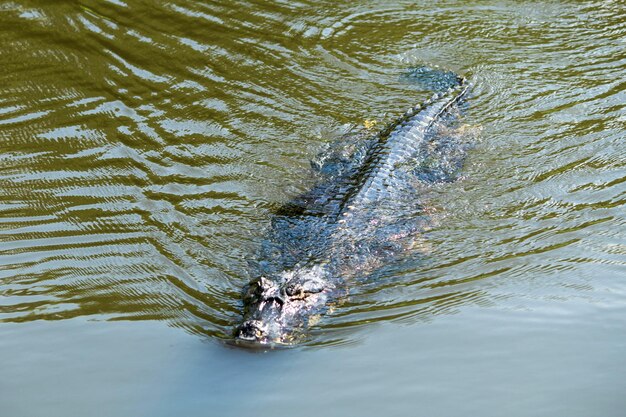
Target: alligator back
<point>403,143</point>
<point>365,170</point>
<point>367,193</point>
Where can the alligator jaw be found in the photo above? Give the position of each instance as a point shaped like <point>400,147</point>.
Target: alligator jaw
<point>253,334</point>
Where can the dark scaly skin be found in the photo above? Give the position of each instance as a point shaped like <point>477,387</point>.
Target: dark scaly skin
<point>348,227</point>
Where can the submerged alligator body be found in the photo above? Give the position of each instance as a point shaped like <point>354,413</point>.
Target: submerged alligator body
<point>363,214</point>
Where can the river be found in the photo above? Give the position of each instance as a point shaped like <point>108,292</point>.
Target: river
<point>144,147</point>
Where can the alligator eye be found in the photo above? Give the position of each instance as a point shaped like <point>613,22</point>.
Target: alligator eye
<point>295,291</point>
<point>257,288</point>
<point>264,284</point>
<point>303,290</point>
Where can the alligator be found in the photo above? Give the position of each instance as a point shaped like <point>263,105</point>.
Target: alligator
<point>363,213</point>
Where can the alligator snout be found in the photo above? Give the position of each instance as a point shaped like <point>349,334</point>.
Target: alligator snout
<point>252,330</point>
<point>260,334</point>
<point>264,322</point>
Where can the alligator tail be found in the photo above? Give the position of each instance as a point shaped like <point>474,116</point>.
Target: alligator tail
<point>434,78</point>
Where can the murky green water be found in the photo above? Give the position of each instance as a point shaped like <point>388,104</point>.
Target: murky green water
<point>144,146</point>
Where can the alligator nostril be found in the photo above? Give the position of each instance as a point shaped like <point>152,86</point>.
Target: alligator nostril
<point>251,330</point>
<point>276,300</point>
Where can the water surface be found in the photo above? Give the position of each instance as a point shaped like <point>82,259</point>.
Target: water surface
<point>144,147</point>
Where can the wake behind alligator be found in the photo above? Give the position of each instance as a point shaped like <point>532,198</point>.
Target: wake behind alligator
<point>364,213</point>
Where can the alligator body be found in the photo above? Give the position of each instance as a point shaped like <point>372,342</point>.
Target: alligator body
<point>364,213</point>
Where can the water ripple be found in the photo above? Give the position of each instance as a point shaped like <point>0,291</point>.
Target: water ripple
<point>141,158</point>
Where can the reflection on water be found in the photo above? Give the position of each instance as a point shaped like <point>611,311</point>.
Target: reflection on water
<point>141,158</point>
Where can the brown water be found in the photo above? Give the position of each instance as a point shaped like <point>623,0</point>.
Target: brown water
<point>144,147</point>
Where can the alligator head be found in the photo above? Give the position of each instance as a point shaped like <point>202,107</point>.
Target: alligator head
<point>276,312</point>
